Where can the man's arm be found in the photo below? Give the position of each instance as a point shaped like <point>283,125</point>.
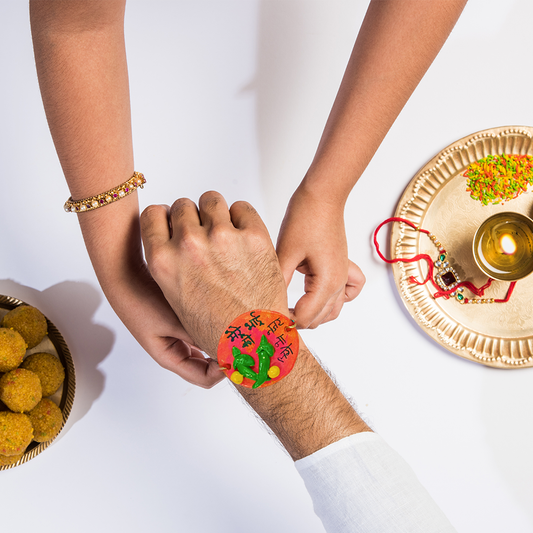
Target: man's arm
<point>396,44</point>
<point>305,410</point>
<point>213,266</point>
<point>81,64</point>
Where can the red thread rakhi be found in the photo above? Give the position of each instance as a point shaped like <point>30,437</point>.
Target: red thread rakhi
<point>446,280</point>
<point>258,348</point>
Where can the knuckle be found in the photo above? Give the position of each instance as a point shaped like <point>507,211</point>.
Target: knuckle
<point>221,231</point>
<point>246,207</point>
<point>222,236</point>
<point>335,282</point>
<point>190,242</point>
<point>210,200</point>
<point>150,212</point>
<point>177,210</point>
<point>259,240</point>
<point>193,254</point>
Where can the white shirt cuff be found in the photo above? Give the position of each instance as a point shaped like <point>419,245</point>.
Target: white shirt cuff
<point>360,484</point>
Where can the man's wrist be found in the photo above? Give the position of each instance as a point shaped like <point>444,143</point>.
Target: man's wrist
<point>306,410</point>
<point>258,348</point>
<point>218,328</point>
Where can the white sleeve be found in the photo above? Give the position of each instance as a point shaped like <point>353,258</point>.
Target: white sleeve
<point>360,484</point>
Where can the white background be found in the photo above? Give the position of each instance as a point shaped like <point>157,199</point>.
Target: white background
<point>232,95</point>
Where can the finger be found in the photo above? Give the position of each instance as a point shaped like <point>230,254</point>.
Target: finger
<point>313,306</point>
<point>330,309</point>
<point>354,285</point>
<point>245,217</point>
<point>356,282</point>
<point>190,364</point>
<point>155,230</point>
<point>184,217</point>
<point>336,311</point>
<point>213,210</point>
<point>331,312</point>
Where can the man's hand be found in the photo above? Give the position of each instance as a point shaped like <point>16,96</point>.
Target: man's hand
<point>312,241</point>
<point>212,264</point>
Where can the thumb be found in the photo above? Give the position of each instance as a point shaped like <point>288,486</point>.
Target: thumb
<point>190,364</point>
<point>314,303</point>
<point>288,262</point>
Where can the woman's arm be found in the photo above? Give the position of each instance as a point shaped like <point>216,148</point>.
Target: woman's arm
<point>397,43</point>
<point>81,64</point>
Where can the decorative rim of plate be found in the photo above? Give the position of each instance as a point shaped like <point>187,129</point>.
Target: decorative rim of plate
<point>421,191</point>
<point>69,385</point>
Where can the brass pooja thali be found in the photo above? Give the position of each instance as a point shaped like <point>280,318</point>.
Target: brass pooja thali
<point>53,343</point>
<point>497,334</point>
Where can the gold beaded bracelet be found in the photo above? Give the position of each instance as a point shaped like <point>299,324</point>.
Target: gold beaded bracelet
<point>94,202</point>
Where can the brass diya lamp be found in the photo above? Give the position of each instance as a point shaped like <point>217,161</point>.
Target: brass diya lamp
<point>503,246</point>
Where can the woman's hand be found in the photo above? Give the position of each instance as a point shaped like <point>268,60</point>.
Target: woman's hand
<point>312,241</point>
<point>113,240</point>
<point>140,304</point>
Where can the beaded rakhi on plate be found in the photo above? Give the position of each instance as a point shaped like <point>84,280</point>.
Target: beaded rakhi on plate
<point>440,273</point>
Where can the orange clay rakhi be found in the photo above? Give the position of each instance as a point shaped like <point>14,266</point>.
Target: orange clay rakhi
<point>258,348</point>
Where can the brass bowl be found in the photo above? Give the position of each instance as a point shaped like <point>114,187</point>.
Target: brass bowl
<point>495,261</point>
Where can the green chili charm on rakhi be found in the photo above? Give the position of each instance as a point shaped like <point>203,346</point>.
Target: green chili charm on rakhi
<point>243,363</point>
<point>264,353</point>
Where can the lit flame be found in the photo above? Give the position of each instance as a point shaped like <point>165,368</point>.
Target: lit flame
<point>507,244</point>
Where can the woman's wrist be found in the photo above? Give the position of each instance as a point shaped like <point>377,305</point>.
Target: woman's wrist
<point>112,238</point>
<point>327,185</point>
<point>320,196</point>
